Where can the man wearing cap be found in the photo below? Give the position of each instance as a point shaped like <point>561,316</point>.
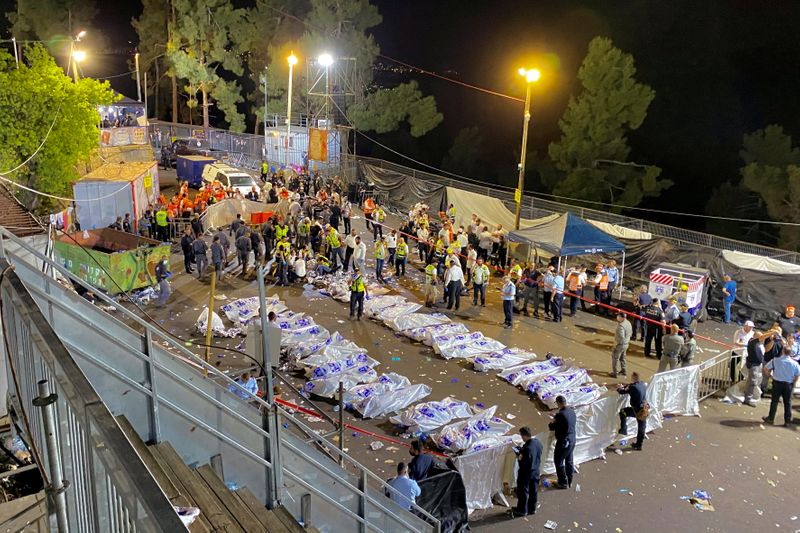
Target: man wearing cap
<point>740,340</point>
<point>622,339</point>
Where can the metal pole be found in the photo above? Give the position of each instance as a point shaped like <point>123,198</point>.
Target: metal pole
<point>269,423</point>
<point>289,114</point>
<point>73,61</point>
<point>266,100</point>
<point>341,424</point>
<point>138,79</point>
<point>16,52</point>
<point>209,329</point>
<point>521,181</point>
<point>145,95</point>
<point>56,490</point>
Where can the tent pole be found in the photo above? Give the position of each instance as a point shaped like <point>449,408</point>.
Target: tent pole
<point>621,274</point>
<point>558,268</point>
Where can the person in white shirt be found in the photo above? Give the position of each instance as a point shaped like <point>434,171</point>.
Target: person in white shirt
<point>391,245</point>
<point>740,340</point>
<point>480,278</point>
<point>444,234</point>
<point>422,242</point>
<point>509,293</point>
<point>298,269</point>
<point>350,243</point>
<point>454,280</point>
<point>360,255</point>
<point>463,241</point>
<point>485,243</point>
<point>472,257</point>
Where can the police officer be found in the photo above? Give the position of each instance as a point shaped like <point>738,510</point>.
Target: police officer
<point>243,247</point>
<point>785,373</point>
<point>186,248</point>
<point>637,391</point>
<point>529,456</point>
<point>563,425</point>
<point>162,224</point>
<point>655,329</point>
<point>357,292</point>
<point>200,249</point>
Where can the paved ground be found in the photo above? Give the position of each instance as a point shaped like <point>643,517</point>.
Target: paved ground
<point>750,471</point>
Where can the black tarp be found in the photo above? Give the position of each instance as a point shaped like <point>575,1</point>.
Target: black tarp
<point>403,190</point>
<point>760,295</point>
<point>445,497</point>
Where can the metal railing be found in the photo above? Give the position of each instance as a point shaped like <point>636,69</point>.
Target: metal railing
<point>716,375</point>
<point>170,394</point>
<point>106,486</point>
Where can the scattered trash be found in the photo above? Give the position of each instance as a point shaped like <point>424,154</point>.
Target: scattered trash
<point>510,416</point>
<point>376,445</point>
<point>187,514</point>
<point>577,489</point>
<point>232,486</point>
<point>771,483</point>
<point>618,451</point>
<point>550,524</point>
<point>220,297</point>
<point>395,358</point>
<point>701,500</point>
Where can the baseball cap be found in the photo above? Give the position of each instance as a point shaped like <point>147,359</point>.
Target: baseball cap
<point>749,323</point>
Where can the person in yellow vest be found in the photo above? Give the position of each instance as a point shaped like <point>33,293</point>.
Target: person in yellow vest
<point>264,171</point>
<point>430,285</point>
<point>284,246</point>
<point>334,246</point>
<point>480,278</point>
<point>281,231</point>
<point>516,271</point>
<point>451,213</point>
<point>358,290</point>
<point>378,216</point>
<point>162,224</point>
<point>323,265</point>
<point>400,257</point>
<point>380,258</point>
<point>600,289</point>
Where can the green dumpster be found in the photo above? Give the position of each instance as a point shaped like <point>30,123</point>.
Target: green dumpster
<point>111,260</point>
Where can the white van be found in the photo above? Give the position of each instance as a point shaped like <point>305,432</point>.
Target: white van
<point>230,177</point>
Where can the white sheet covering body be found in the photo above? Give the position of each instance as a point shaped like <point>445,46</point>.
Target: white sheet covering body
<point>427,416</point>
<point>575,396</point>
<point>516,374</point>
<point>461,435</point>
<point>385,383</point>
<point>501,359</point>
<point>410,321</point>
<point>393,400</point>
<point>426,334</point>
<point>570,377</point>
<point>329,387</point>
<point>471,349</point>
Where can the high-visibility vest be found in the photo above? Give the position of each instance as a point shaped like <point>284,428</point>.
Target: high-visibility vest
<point>284,246</point>
<point>357,285</point>
<point>324,261</point>
<point>451,250</point>
<point>380,252</point>
<point>333,239</point>
<point>451,212</point>
<point>264,168</point>
<point>439,246</point>
<point>516,271</point>
<point>480,274</point>
<point>402,250</point>
<point>381,214</point>
<point>281,232</point>
<point>430,274</point>
<point>161,217</point>
<point>603,282</point>
<point>574,281</point>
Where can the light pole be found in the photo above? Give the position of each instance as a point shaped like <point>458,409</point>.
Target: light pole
<point>292,59</point>
<point>138,78</point>
<point>264,79</point>
<point>76,56</point>
<point>531,76</point>
<point>326,60</point>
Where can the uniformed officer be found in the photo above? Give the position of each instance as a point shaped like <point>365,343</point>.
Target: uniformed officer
<point>563,425</point>
<point>162,224</point>
<point>637,391</point>
<point>357,292</point>
<point>785,373</point>
<point>655,329</point>
<point>529,456</point>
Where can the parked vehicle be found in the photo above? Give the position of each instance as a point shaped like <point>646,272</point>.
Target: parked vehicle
<point>190,168</point>
<point>230,177</point>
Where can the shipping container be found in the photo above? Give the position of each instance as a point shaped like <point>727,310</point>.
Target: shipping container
<point>111,260</point>
<point>113,190</point>
<point>190,168</point>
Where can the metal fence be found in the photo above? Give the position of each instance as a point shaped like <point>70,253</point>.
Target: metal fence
<point>106,486</point>
<point>717,374</point>
<point>170,394</point>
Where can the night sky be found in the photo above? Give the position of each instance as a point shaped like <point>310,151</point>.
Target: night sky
<point>720,69</point>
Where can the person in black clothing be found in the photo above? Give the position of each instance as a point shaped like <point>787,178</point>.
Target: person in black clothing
<point>117,224</point>
<point>773,347</point>
<point>685,320</point>
<point>197,226</point>
<point>653,331</point>
<point>636,390</point>
<point>255,242</point>
<point>126,223</point>
<point>336,215</point>
<point>422,463</point>
<point>186,247</point>
<point>236,224</point>
<point>563,425</point>
<point>529,457</point>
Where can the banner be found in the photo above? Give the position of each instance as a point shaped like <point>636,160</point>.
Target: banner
<point>317,144</point>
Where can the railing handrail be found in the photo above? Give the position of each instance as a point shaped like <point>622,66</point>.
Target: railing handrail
<point>128,469</point>
<point>224,382</point>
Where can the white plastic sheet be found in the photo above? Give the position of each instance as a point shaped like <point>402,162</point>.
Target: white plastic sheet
<point>471,349</point>
<point>426,334</point>
<point>375,304</point>
<point>484,472</point>
<point>494,441</point>
<point>391,401</point>
<point>427,416</point>
<point>385,383</point>
<point>516,374</point>
<point>301,350</point>
<point>575,396</point>
<point>397,310</point>
<point>242,311</point>
<point>461,435</point>
<point>315,333</point>
<point>329,387</point>
<point>218,329</point>
<point>570,377</point>
<point>444,341</point>
<point>340,366</point>
<point>416,320</point>
<point>501,359</point>
<point>331,352</point>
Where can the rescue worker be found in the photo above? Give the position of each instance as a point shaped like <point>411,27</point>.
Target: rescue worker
<point>655,328</point>
<point>515,273</point>
<point>162,224</point>
<point>264,171</point>
<point>200,250</point>
<point>164,290</point>
<point>401,254</point>
<point>480,278</point>
<point>529,456</point>
<point>357,292</point>
<point>186,248</point>
<point>575,287</point>
<point>243,247</point>
<point>601,289</point>
<point>378,216</point>
<point>451,213</point>
<point>380,258</point>
<point>369,210</point>
<point>334,247</point>
<point>430,285</point>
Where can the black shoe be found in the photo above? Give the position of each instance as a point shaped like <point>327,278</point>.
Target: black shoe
<point>768,419</point>
<point>561,486</point>
<point>637,448</point>
<point>623,373</point>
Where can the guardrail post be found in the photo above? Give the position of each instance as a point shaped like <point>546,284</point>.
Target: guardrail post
<point>362,507</point>
<point>341,424</point>
<point>155,425</point>
<point>55,491</point>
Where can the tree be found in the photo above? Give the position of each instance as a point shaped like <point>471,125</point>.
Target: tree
<point>593,150</point>
<point>153,28</point>
<point>384,110</point>
<point>210,36</point>
<point>464,156</point>
<point>772,169</point>
<point>36,97</point>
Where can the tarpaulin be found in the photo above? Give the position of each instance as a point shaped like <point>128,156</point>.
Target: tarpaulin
<point>471,349</point>
<point>759,262</point>
<point>224,212</point>
<point>385,383</point>
<point>445,498</point>
<point>567,235</point>
<point>404,191</point>
<point>501,359</point>
<point>484,472</point>
<point>391,401</point>
<point>491,211</point>
<point>516,374</point>
<point>427,416</point>
<point>461,435</point>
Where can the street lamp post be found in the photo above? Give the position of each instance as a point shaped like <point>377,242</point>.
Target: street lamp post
<point>76,56</point>
<point>531,76</point>
<point>292,59</point>
<point>326,60</point>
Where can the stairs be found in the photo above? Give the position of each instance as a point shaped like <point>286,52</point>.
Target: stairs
<point>221,509</point>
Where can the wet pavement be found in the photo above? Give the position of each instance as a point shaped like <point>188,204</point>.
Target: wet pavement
<point>751,472</point>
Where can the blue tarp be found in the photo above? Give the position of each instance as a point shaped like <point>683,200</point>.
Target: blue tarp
<point>567,235</point>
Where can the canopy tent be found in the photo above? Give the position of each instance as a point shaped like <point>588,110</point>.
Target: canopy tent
<point>569,235</point>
